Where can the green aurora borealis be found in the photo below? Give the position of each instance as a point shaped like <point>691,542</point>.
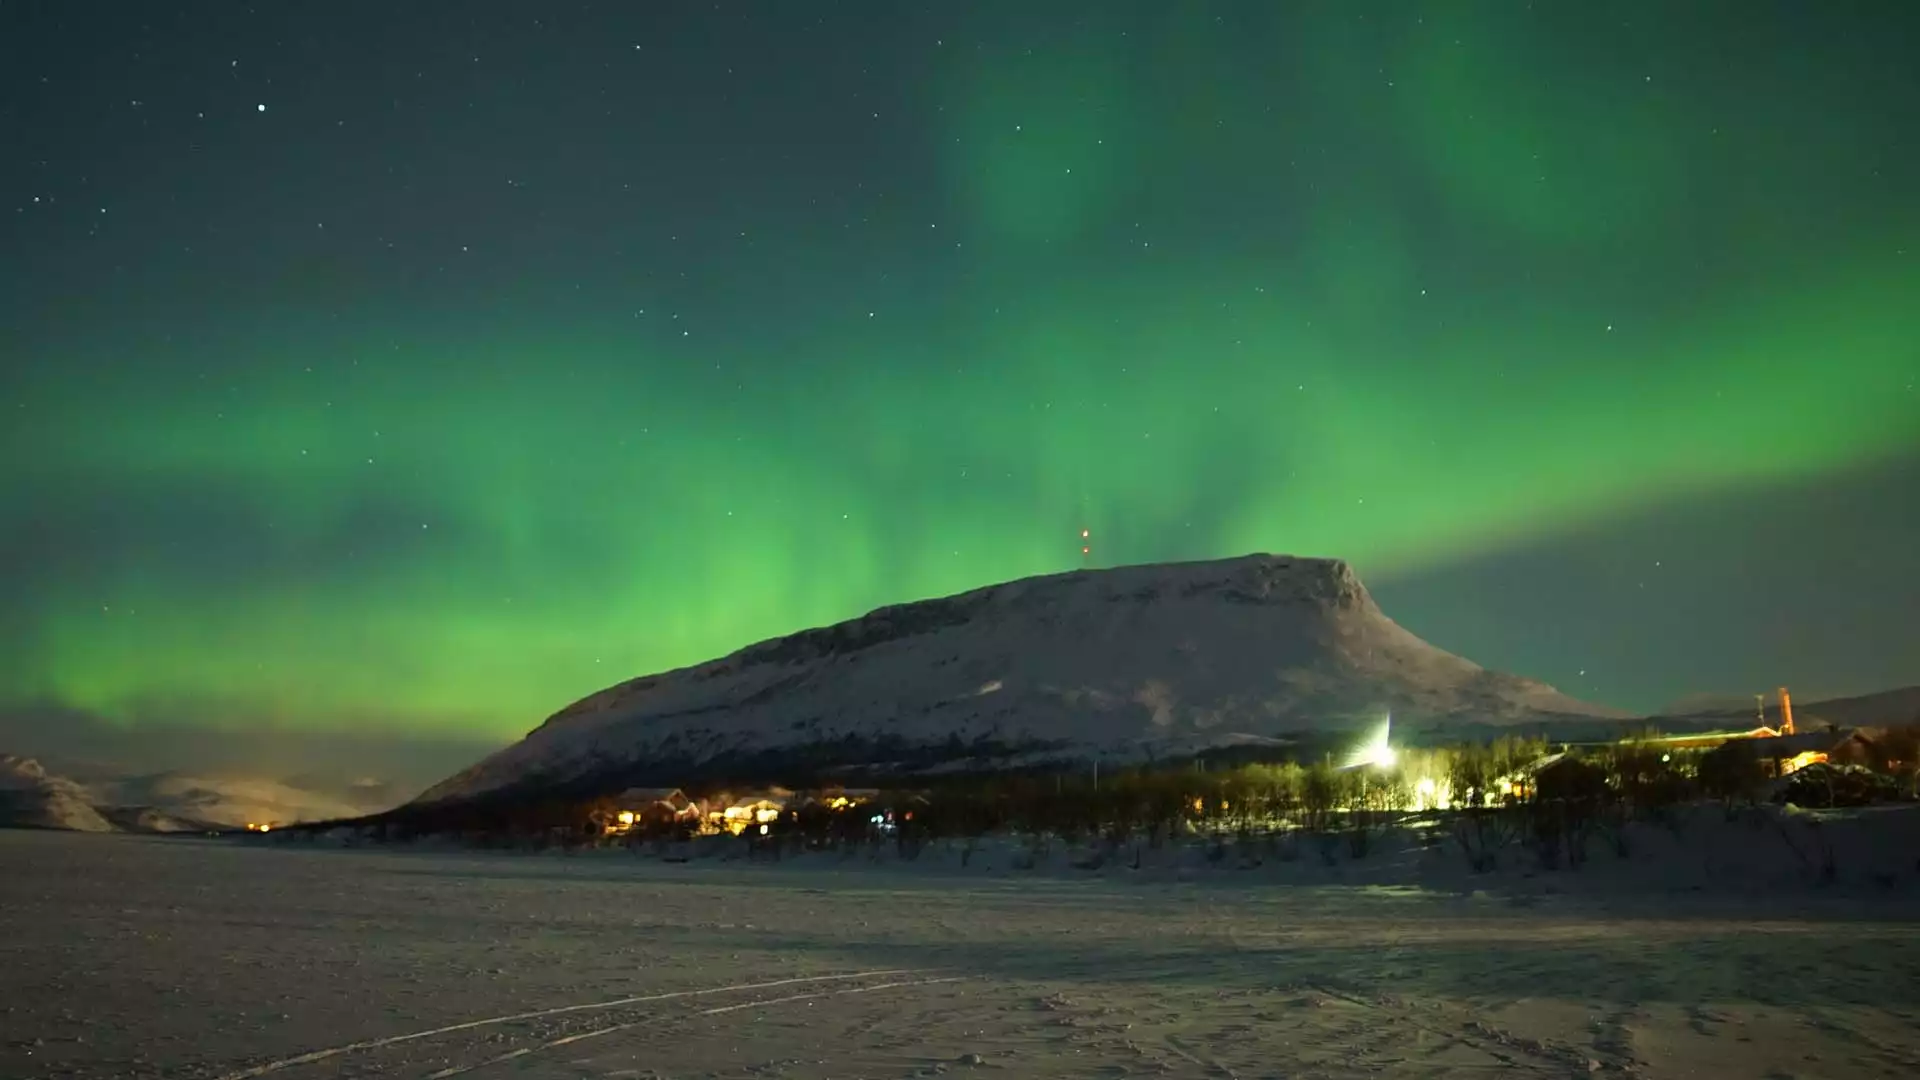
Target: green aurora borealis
<point>473,375</point>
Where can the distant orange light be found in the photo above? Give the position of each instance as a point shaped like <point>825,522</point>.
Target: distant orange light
<point>1086,551</point>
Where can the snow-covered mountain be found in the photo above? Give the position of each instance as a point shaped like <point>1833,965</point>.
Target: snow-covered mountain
<point>1141,662</point>
<point>233,801</point>
<point>33,796</point>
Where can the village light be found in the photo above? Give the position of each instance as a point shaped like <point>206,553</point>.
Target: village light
<point>1800,761</point>
<point>1433,794</point>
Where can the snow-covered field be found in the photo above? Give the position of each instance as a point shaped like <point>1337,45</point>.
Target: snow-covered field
<point>131,957</point>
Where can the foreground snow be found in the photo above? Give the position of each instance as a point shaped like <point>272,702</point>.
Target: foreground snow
<point>132,957</point>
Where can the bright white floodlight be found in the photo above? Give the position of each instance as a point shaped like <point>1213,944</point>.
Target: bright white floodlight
<point>1377,751</point>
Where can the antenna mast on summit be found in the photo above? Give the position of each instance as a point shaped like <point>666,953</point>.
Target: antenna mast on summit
<point>1086,545</point>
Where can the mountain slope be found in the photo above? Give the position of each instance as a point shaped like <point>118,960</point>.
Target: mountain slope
<point>1887,708</point>
<point>32,798</point>
<point>1136,662</point>
<point>234,801</point>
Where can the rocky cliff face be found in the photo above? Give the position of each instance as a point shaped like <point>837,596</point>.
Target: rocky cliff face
<point>1130,663</point>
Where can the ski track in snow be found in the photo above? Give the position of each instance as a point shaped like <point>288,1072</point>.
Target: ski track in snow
<point>314,1056</point>
<point>717,1010</point>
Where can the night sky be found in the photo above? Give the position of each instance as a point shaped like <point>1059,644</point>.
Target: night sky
<point>413,369</point>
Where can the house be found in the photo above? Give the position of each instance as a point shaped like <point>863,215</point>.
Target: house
<point>838,798</point>
<point>1704,740</point>
<point>1791,753</point>
<point>1784,755</point>
<point>736,813</point>
<point>1559,775</point>
<point>1781,753</point>
<point>651,807</point>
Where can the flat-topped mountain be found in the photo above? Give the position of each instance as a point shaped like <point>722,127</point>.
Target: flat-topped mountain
<point>1139,662</point>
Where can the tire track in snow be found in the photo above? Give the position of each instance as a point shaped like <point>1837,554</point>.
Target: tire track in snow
<point>312,1056</point>
<point>583,1036</point>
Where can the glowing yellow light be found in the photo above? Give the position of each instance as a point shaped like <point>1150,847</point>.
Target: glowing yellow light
<point>1801,760</point>
<point>1432,794</point>
<point>1377,751</point>
<point>626,817</point>
<point>766,814</point>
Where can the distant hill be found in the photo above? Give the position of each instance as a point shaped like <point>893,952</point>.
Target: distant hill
<point>1888,708</point>
<point>232,801</point>
<point>31,796</point>
<point>1142,662</point>
<point>1709,705</point>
